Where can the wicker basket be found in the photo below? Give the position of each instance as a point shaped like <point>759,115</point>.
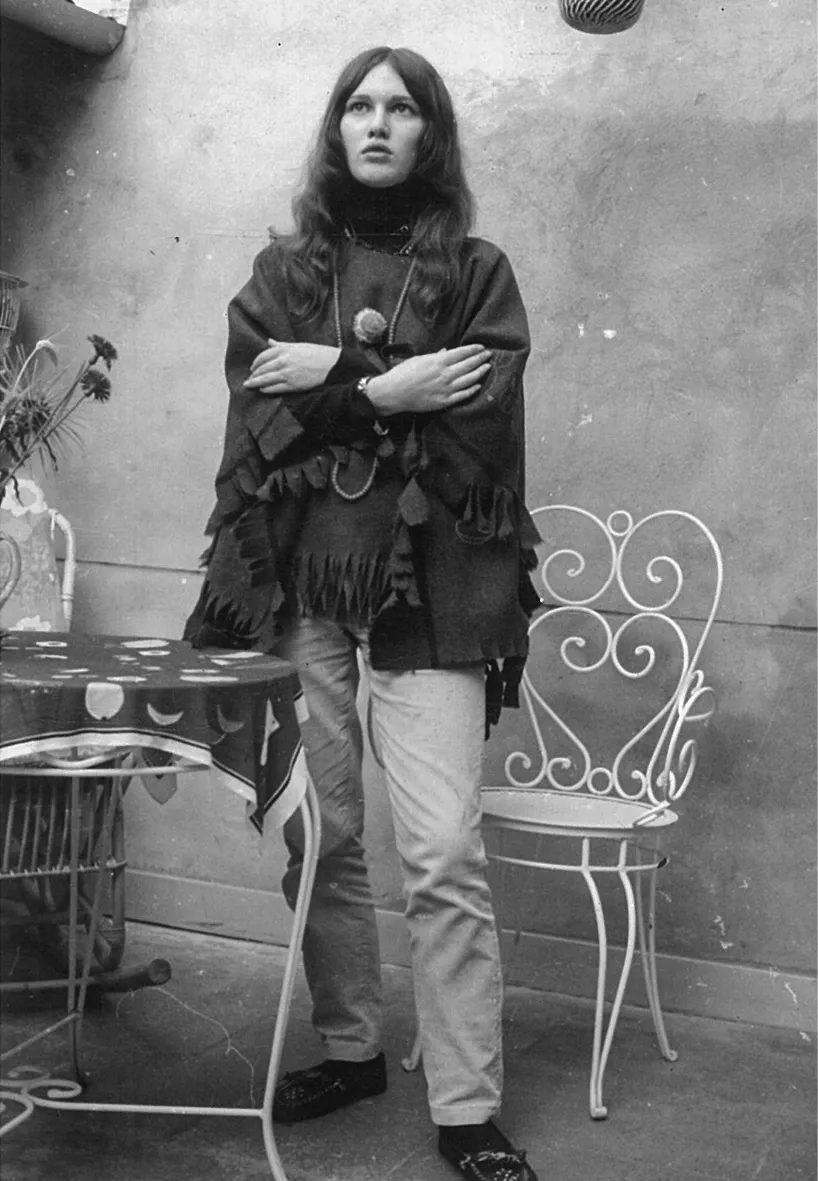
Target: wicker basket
<point>601,16</point>
<point>9,307</point>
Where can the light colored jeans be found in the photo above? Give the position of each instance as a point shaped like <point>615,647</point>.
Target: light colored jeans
<point>428,731</point>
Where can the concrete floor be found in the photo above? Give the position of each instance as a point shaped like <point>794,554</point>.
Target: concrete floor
<point>739,1105</point>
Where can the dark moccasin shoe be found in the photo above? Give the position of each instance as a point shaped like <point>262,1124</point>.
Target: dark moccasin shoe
<point>308,1094</point>
<point>489,1166</point>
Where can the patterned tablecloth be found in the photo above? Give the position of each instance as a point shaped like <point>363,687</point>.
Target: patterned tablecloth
<point>237,712</point>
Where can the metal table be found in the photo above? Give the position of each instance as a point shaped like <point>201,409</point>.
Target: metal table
<point>107,709</point>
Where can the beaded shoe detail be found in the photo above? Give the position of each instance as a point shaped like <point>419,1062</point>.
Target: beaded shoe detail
<point>492,1166</point>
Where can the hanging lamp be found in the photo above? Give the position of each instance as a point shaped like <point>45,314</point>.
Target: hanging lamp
<point>601,16</point>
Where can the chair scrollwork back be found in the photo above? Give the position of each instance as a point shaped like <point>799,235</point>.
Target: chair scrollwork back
<point>631,603</point>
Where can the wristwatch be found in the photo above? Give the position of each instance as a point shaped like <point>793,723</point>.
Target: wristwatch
<point>360,386</point>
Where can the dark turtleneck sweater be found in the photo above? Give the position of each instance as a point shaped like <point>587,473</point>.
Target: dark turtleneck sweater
<point>380,218</point>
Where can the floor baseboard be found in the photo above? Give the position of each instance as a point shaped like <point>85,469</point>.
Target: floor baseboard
<point>701,988</point>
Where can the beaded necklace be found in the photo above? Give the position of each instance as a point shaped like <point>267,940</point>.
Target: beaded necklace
<point>393,323</point>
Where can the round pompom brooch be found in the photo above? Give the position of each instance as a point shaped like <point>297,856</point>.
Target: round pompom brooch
<point>369,326</point>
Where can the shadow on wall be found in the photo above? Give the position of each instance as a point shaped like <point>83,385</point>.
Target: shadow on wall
<point>38,119</point>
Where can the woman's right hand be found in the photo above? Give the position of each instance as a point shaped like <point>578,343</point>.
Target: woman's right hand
<point>431,381</point>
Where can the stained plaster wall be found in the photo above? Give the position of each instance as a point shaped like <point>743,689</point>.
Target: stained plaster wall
<point>655,193</point>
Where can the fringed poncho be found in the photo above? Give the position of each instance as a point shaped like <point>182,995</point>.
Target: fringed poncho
<point>434,558</point>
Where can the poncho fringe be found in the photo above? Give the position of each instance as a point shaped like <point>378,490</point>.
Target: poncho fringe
<point>356,586</point>
<point>340,588</point>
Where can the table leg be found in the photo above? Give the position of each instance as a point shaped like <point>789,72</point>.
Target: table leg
<point>21,1086</point>
<point>311,820</point>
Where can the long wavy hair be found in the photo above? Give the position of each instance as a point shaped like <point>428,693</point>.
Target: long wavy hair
<point>316,249</point>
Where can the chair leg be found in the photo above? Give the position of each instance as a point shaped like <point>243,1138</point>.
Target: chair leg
<point>109,940</point>
<point>647,950</point>
<point>75,989</point>
<point>413,1059</point>
<point>602,1048</point>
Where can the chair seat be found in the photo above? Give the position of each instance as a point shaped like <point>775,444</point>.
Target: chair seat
<point>542,810</point>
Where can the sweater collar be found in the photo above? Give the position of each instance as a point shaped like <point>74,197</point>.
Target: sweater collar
<point>381,218</point>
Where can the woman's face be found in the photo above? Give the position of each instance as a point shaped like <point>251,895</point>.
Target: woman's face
<point>381,126</point>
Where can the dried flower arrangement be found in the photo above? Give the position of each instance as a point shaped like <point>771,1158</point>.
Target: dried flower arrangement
<point>38,402</point>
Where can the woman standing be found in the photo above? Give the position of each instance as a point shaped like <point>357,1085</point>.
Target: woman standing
<point>369,502</point>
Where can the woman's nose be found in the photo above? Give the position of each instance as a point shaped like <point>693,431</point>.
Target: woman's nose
<point>379,123</point>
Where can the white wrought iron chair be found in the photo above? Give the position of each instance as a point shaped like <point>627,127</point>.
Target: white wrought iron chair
<point>69,564</point>
<point>36,595</point>
<point>605,648</point>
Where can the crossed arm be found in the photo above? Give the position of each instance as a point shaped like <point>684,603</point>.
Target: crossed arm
<point>423,384</point>
<point>279,385</point>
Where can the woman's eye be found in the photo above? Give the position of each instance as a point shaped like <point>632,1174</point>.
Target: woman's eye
<point>404,109</point>
<point>357,105</point>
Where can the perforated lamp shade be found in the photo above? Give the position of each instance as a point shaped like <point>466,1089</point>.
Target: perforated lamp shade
<point>601,16</point>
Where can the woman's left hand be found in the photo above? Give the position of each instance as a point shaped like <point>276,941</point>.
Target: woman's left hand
<point>291,367</point>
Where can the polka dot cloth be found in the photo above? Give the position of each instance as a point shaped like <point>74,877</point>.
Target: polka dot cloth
<point>236,711</point>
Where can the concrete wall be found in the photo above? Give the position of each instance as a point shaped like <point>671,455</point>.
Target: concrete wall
<point>655,192</point>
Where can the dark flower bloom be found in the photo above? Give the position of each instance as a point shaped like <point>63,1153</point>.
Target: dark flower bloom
<point>103,351</point>
<point>96,385</point>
